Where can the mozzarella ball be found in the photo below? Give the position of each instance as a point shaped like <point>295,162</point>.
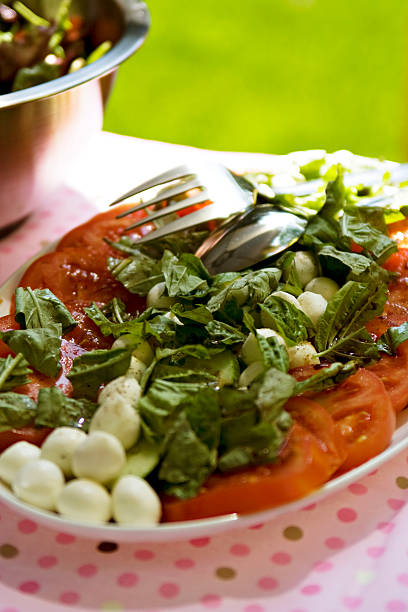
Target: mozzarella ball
<point>288,297</point>
<point>118,419</point>
<point>125,387</point>
<point>142,351</point>
<point>60,445</point>
<point>250,350</point>
<point>136,368</point>
<point>85,500</point>
<point>302,354</point>
<point>251,373</point>
<point>100,457</point>
<point>14,457</point>
<point>313,305</point>
<point>135,502</point>
<point>306,266</point>
<point>156,298</point>
<point>324,286</point>
<point>39,483</point>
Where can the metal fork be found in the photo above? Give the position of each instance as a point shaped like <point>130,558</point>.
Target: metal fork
<point>226,192</point>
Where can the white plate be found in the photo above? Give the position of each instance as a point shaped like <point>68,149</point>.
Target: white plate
<point>187,529</point>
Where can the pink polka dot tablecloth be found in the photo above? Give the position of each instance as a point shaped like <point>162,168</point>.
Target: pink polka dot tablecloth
<point>347,552</point>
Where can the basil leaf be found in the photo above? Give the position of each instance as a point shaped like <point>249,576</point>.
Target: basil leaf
<point>92,369</point>
<point>138,273</point>
<point>115,328</point>
<point>288,321</point>
<point>222,333</point>
<point>199,314</point>
<point>40,308</point>
<point>324,378</point>
<point>275,389</point>
<point>184,276</point>
<point>16,411</point>
<point>274,354</point>
<point>373,241</point>
<point>337,264</point>
<point>249,289</point>
<point>40,347</point>
<point>54,409</point>
<point>191,446</point>
<point>392,338</point>
<point>341,331</point>
<point>13,372</point>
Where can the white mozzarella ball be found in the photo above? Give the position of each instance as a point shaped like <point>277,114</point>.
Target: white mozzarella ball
<point>117,410</point>
<point>136,368</point>
<point>302,354</point>
<point>251,373</point>
<point>156,298</point>
<point>142,351</point>
<point>85,500</point>
<point>313,305</point>
<point>306,266</point>
<point>288,297</point>
<point>100,457</point>
<point>324,286</point>
<point>250,350</point>
<point>125,387</point>
<point>14,457</point>
<point>39,483</point>
<point>135,502</point>
<point>60,445</point>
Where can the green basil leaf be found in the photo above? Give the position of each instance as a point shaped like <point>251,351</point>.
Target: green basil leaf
<point>13,372</point>
<point>222,333</point>
<point>274,354</point>
<point>40,347</point>
<point>115,328</point>
<point>324,378</point>
<point>341,331</point>
<point>288,321</point>
<point>373,241</point>
<point>199,314</point>
<point>54,409</point>
<point>184,276</point>
<point>392,338</point>
<point>40,308</point>
<point>16,411</point>
<point>337,264</point>
<point>138,273</point>
<point>92,369</point>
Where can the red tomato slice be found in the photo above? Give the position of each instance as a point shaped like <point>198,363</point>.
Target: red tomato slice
<point>392,370</point>
<point>362,409</point>
<point>74,274</point>
<point>6,324</point>
<point>29,434</point>
<point>304,465</point>
<point>103,225</point>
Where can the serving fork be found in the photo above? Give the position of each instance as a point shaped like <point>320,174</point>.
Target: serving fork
<point>247,234</point>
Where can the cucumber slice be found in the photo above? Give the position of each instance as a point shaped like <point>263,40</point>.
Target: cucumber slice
<point>224,366</point>
<point>141,460</point>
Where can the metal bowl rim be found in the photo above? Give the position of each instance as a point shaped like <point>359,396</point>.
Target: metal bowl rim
<point>137,23</point>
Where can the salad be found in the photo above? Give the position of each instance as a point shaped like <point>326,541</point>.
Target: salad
<point>137,387</point>
<point>34,50</point>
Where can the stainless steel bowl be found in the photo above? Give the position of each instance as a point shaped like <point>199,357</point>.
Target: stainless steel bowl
<point>44,128</point>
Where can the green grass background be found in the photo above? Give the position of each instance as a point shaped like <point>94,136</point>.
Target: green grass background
<point>270,76</point>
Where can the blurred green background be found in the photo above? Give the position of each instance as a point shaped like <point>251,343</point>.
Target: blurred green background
<point>269,76</point>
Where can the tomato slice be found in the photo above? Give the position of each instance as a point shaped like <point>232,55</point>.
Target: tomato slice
<point>29,434</point>
<point>104,225</point>
<point>363,411</point>
<point>304,465</point>
<point>6,324</point>
<point>74,274</point>
<point>392,370</point>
